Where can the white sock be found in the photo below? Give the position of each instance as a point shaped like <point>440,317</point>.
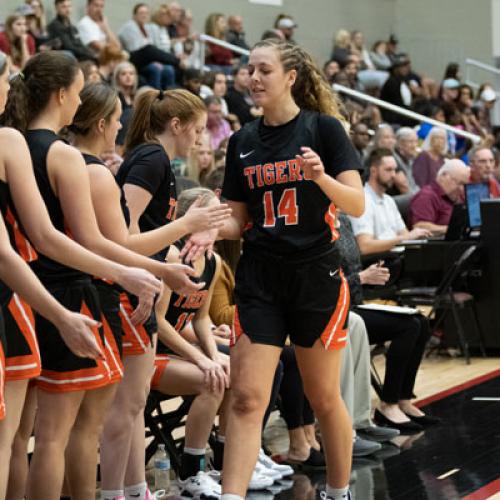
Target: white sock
<point>230,496</point>
<point>140,489</point>
<point>194,451</point>
<point>111,494</point>
<point>337,493</point>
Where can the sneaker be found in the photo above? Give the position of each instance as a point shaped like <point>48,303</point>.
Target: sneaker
<point>262,469</point>
<point>269,463</point>
<point>201,486</point>
<point>259,481</point>
<point>154,496</point>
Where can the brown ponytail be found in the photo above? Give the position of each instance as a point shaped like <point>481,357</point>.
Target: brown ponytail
<point>98,101</point>
<point>153,111</point>
<point>311,90</point>
<point>31,89</point>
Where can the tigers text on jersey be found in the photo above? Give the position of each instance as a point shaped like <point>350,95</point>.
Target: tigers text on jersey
<point>289,213</point>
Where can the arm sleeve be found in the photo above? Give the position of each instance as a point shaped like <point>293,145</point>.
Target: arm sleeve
<point>232,188</point>
<point>222,306</point>
<point>363,224</point>
<point>148,171</point>
<point>337,151</point>
<point>422,209</point>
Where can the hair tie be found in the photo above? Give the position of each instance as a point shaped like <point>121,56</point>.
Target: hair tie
<point>161,95</point>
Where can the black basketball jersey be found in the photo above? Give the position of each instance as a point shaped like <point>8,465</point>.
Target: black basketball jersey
<point>148,166</point>
<point>182,308</point>
<point>17,236</point>
<point>94,160</point>
<point>49,271</point>
<point>289,214</point>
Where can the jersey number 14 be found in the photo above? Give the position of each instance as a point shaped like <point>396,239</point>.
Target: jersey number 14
<point>287,208</point>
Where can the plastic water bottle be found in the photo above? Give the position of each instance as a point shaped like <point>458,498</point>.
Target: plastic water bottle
<point>162,469</point>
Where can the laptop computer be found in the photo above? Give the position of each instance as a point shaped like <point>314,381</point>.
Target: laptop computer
<point>474,194</point>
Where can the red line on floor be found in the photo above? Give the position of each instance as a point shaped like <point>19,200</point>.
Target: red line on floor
<point>458,388</point>
<point>485,492</point>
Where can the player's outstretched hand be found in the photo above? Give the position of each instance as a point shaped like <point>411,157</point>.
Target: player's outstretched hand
<point>199,218</point>
<point>177,277</point>
<point>198,244</point>
<point>139,282</point>
<point>310,164</point>
<point>76,332</point>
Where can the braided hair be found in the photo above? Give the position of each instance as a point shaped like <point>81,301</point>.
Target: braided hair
<point>311,90</point>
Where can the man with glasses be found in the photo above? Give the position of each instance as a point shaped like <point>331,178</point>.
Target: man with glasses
<point>432,206</point>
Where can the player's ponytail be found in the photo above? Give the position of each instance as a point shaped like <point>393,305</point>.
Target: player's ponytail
<point>155,109</point>
<point>32,88</point>
<point>310,90</point>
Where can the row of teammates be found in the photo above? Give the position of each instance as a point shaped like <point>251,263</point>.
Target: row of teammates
<point>89,348</point>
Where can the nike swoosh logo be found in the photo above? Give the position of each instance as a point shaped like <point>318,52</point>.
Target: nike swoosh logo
<point>333,273</point>
<point>244,155</point>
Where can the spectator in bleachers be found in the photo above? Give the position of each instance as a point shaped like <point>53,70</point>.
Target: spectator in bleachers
<point>449,90</point>
<point>286,25</point>
<point>384,137</point>
<point>452,71</point>
<point>396,90</point>
<point>175,13</point>
<point>187,46</point>
<point>369,76</point>
<point>360,135</point>
<point>90,72</point>
<point>238,97</point>
<point>381,227</point>
<point>432,206</point>
<point>408,336</point>
<point>125,81</point>
<point>465,103</point>
<point>431,110</point>
<point>218,58</point>
<point>94,28</point>
<point>496,169</point>
<point>217,127</point>
<point>330,69</point>
<point>16,42</point>
<point>272,33</point>
<point>201,161</point>
<point>62,29</point>
<point>391,48</point>
<point>350,68</point>
<point>36,23</point>
<point>192,81</point>
<point>236,34</point>
<point>379,56</point>
<point>342,47</point>
<point>109,58</point>
<point>405,153</point>
<point>158,28</point>
<point>482,164</point>
<point>215,83</point>
<point>154,64</point>
<point>430,160</point>
<point>483,106</point>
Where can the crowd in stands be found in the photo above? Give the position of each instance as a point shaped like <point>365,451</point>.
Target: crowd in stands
<point>414,174</point>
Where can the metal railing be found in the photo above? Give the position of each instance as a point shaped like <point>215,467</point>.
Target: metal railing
<point>358,95</point>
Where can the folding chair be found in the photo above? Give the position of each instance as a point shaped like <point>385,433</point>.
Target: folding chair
<point>160,425</point>
<point>443,297</point>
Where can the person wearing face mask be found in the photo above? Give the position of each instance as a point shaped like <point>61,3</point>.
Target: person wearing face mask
<point>432,206</point>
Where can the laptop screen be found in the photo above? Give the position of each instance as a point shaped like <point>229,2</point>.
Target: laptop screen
<point>474,193</point>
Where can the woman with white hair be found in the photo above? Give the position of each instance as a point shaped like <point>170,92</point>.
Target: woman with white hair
<point>430,160</point>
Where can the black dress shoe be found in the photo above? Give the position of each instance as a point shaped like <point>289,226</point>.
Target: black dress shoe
<point>425,420</point>
<point>403,427</point>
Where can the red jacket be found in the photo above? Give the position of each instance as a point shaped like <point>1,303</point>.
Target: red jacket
<point>219,55</point>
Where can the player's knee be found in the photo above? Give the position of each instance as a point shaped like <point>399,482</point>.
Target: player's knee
<point>324,403</point>
<point>247,402</point>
